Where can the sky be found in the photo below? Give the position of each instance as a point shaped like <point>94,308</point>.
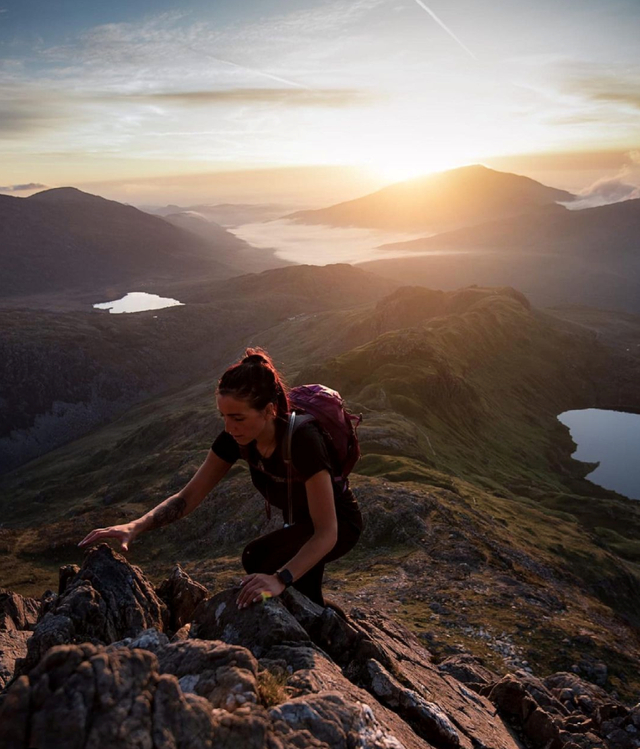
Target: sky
<point>147,100</point>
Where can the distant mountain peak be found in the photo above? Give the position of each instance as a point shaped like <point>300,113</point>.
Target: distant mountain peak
<point>439,202</point>
<point>66,195</point>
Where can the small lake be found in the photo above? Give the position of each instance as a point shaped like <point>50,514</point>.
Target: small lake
<point>138,301</point>
<point>613,438</point>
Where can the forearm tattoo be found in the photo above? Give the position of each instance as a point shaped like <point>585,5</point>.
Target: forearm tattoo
<point>168,512</point>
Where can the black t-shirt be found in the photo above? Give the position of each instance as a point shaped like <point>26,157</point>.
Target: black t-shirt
<point>269,475</point>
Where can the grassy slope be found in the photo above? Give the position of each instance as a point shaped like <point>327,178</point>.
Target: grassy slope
<point>481,533</point>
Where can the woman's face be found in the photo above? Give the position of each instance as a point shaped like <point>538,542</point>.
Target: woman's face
<point>243,422</point>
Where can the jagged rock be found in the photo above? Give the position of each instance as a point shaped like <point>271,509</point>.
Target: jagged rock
<point>541,730</point>
<point>106,601</point>
<point>271,633</point>
<point>426,718</point>
<point>149,639</point>
<point>321,681</point>
<point>13,647</point>
<point>333,722</point>
<point>82,696</point>
<point>365,637</point>
<point>510,697</point>
<point>182,633</point>
<point>225,675</point>
<point>47,600</point>
<point>182,595</point>
<point>537,689</point>
<point>618,738</point>
<point>17,612</point>
<point>469,670</point>
<point>634,716</point>
<point>65,575</point>
<point>313,673</point>
<point>87,696</point>
<point>540,709</point>
<point>258,627</point>
<point>576,694</point>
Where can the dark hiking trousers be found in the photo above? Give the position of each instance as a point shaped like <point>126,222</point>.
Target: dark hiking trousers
<point>269,553</point>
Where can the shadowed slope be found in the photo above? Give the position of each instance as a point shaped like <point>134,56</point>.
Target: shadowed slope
<point>65,239</point>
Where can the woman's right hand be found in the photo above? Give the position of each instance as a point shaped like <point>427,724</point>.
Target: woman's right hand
<point>123,533</point>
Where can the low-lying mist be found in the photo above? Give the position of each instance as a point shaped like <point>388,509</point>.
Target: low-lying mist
<point>321,245</point>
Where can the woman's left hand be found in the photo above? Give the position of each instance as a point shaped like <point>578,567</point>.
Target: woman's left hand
<point>258,587</point>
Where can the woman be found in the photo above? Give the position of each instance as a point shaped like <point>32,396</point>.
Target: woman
<point>326,521</point>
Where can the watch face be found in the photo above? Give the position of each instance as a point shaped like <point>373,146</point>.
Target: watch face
<point>285,577</point>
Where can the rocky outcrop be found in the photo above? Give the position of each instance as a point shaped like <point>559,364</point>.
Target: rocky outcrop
<point>105,601</point>
<point>17,612</point>
<point>18,616</point>
<point>182,595</point>
<point>564,712</point>
<point>106,669</point>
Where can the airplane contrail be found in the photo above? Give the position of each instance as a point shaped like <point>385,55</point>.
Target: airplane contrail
<point>446,28</point>
<point>250,70</point>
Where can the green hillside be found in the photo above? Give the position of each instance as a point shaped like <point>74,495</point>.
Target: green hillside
<point>482,533</point>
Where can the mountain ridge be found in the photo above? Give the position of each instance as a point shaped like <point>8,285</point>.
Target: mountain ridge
<point>439,202</point>
<point>67,240</point>
<point>556,256</point>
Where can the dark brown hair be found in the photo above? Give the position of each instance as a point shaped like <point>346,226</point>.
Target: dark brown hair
<point>256,380</point>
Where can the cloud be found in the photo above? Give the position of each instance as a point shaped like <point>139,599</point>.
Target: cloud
<point>288,97</point>
<point>27,108</point>
<point>19,116</point>
<point>289,49</point>
<point>632,98</point>
<point>23,188</point>
<point>623,185</point>
<point>623,88</point>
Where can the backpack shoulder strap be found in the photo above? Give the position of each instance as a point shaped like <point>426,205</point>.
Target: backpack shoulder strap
<point>295,420</point>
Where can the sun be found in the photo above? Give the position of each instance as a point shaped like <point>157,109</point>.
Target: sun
<point>399,162</point>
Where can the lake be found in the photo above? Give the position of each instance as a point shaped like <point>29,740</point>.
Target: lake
<point>613,438</point>
<point>138,301</point>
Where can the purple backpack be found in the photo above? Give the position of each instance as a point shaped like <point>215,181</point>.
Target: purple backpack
<point>326,407</point>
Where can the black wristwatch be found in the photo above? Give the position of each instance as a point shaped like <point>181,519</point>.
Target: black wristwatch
<point>285,577</point>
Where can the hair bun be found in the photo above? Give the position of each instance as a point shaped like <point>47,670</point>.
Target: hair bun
<point>254,359</point>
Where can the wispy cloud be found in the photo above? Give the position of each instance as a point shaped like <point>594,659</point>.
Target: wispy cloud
<point>23,188</point>
<point>446,28</point>
<point>30,109</point>
<point>618,90</point>
<point>252,71</point>
<point>288,97</point>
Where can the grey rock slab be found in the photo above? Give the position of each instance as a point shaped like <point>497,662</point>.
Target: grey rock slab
<point>426,718</point>
<point>13,647</point>
<point>225,675</point>
<point>315,673</point>
<point>468,669</point>
<point>365,637</point>
<point>333,722</point>
<point>258,627</point>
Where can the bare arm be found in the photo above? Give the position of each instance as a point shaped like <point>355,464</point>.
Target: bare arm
<point>325,525</point>
<point>325,534</point>
<point>212,470</point>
